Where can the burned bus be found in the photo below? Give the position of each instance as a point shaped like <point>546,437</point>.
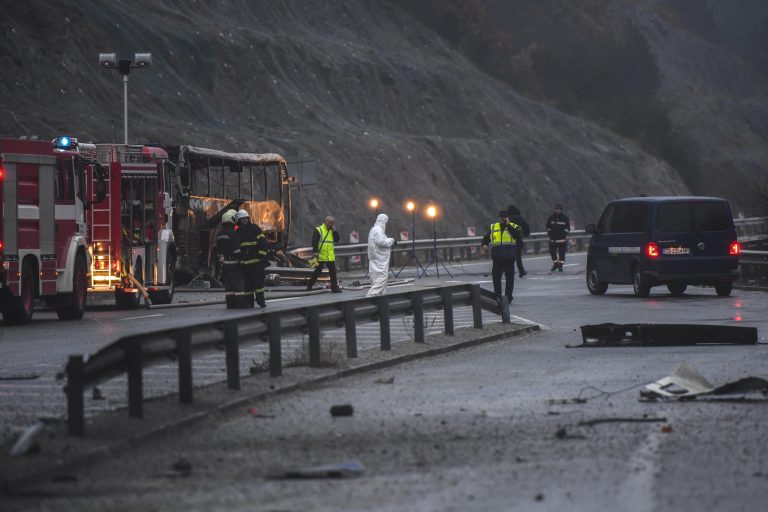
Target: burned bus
<point>208,182</point>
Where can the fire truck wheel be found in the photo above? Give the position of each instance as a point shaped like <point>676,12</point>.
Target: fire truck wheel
<point>19,311</point>
<point>129,300</point>
<point>74,304</point>
<point>166,296</point>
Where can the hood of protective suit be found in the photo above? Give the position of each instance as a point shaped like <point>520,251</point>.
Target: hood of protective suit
<point>381,221</point>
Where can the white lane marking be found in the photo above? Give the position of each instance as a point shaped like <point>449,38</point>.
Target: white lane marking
<point>144,316</point>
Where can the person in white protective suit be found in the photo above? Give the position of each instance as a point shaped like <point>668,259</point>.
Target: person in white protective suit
<point>379,249</point>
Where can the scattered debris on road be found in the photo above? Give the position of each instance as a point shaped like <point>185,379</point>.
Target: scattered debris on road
<point>342,410</point>
<point>253,411</point>
<point>686,382</point>
<point>19,376</point>
<point>27,442</point>
<point>181,467</point>
<point>389,380</point>
<point>341,470</point>
<point>562,433</point>
<point>618,335</point>
<point>597,421</point>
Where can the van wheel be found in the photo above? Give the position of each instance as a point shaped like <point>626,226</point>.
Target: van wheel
<point>74,309</point>
<point>640,284</point>
<point>19,310</point>
<point>677,289</point>
<point>723,289</point>
<point>594,284</point>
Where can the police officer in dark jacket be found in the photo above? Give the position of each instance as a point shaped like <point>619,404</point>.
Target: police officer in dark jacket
<point>558,227</point>
<point>515,217</point>
<point>502,237</point>
<point>228,246</point>
<point>254,251</point>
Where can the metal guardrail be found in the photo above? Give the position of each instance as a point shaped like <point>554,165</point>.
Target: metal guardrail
<point>461,247</point>
<point>131,354</point>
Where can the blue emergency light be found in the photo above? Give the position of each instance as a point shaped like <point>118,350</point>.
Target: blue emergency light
<point>65,143</point>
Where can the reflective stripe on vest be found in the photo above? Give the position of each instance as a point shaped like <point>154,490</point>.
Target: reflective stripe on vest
<point>325,250</point>
<point>499,237</point>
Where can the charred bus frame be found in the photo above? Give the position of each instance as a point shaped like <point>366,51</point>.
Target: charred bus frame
<point>208,182</point>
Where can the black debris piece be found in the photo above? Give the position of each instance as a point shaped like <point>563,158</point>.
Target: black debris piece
<point>615,335</point>
<point>597,421</point>
<point>342,410</point>
<point>19,376</point>
<point>347,469</point>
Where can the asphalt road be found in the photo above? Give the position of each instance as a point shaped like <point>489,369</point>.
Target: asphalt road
<point>490,428</point>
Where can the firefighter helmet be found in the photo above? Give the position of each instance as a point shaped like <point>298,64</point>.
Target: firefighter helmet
<point>241,214</point>
<point>229,216</point>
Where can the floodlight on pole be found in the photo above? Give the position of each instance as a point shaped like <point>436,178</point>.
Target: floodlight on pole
<point>375,203</point>
<point>124,67</point>
<point>432,212</point>
<point>411,207</point>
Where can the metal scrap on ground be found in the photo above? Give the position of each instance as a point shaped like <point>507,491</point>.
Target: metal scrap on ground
<point>342,470</point>
<point>686,382</point>
<point>615,335</point>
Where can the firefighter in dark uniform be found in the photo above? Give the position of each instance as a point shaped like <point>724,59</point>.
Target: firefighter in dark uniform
<point>502,237</point>
<point>558,227</point>
<point>254,251</point>
<point>228,246</point>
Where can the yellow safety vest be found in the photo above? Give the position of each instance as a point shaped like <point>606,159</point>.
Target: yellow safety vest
<point>325,245</point>
<point>499,237</point>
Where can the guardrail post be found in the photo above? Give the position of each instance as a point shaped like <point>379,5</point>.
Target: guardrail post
<point>313,322</point>
<point>75,389</point>
<point>504,306</point>
<point>350,328</point>
<point>275,349</point>
<point>184,351</point>
<point>477,309</point>
<point>448,311</point>
<point>232,350</point>
<point>418,317</point>
<point>383,304</point>
<point>135,382</point>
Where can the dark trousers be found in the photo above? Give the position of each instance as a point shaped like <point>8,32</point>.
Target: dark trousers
<point>331,270</point>
<point>557,250</point>
<point>232,278</point>
<point>519,258</point>
<point>253,277</point>
<point>504,266</point>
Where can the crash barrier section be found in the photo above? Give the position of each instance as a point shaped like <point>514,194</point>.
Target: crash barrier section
<point>131,354</point>
<point>466,248</point>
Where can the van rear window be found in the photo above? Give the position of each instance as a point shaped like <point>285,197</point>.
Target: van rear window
<point>696,216</point>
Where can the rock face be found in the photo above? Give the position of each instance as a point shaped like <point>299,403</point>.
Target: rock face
<point>386,106</point>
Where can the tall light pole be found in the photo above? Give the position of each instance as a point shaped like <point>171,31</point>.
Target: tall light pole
<point>124,66</point>
<point>411,207</point>
<point>432,213</point>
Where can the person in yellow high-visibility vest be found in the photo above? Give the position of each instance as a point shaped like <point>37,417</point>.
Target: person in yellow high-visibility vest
<point>502,237</point>
<point>324,238</point>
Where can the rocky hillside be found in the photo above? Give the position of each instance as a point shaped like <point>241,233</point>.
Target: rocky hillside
<point>388,105</point>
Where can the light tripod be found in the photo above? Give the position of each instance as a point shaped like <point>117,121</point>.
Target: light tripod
<point>413,256</point>
<point>432,212</point>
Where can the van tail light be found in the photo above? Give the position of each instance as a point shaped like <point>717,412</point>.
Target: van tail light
<point>652,250</point>
<point>734,248</point>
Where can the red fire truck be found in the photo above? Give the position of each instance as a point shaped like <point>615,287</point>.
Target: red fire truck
<point>129,233</point>
<point>43,246</point>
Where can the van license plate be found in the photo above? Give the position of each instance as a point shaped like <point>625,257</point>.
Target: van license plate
<point>676,250</point>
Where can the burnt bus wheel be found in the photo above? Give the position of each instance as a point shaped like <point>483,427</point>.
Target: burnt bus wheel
<point>19,310</point>
<point>75,303</point>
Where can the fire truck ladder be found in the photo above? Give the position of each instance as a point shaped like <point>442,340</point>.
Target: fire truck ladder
<point>100,212</point>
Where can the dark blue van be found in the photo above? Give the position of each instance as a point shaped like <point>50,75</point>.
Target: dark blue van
<point>676,241</point>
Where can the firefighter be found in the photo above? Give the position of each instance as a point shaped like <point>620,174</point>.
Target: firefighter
<point>558,227</point>
<point>253,256</point>
<point>502,237</point>
<point>228,246</point>
<point>324,238</point>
